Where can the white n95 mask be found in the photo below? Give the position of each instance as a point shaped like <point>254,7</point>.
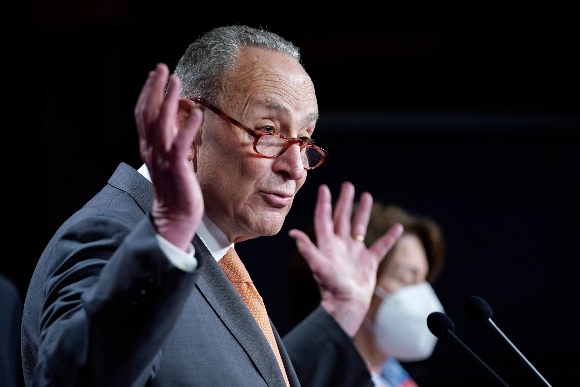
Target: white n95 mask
<point>400,325</point>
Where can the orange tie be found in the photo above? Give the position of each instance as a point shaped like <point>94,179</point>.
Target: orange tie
<point>232,265</point>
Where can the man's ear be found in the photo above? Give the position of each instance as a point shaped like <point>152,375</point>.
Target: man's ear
<point>183,111</point>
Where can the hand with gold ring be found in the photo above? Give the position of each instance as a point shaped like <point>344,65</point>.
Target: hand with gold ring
<point>344,269</point>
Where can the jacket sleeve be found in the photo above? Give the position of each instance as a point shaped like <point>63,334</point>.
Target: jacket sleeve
<point>110,304</point>
<point>323,354</point>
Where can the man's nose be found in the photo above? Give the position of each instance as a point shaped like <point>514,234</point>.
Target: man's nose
<point>291,162</point>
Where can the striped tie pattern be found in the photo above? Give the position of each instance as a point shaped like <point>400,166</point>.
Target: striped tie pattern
<point>232,265</point>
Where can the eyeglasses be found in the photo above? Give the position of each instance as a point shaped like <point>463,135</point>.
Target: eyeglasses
<point>272,145</point>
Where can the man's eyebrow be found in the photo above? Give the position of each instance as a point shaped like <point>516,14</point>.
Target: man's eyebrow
<point>312,117</point>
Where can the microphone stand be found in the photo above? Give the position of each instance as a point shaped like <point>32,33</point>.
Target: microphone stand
<point>521,355</point>
<point>469,351</point>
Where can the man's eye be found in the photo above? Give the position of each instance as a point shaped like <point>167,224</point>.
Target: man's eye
<point>307,140</point>
<point>266,129</point>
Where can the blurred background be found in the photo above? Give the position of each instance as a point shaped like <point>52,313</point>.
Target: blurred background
<point>468,116</point>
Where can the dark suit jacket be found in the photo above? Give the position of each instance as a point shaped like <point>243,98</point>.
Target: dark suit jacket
<point>10,320</point>
<point>105,307</point>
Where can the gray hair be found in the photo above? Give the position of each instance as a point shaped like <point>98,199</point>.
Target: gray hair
<point>205,60</point>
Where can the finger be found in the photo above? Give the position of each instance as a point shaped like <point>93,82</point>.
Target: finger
<point>155,78</point>
<point>323,226</point>
<point>166,118</point>
<point>301,238</point>
<point>343,210</point>
<point>138,113</point>
<point>303,243</point>
<point>361,218</point>
<point>310,254</point>
<point>153,96</point>
<point>148,105</point>
<point>386,242</point>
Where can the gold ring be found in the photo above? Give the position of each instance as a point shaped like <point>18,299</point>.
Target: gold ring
<point>359,237</point>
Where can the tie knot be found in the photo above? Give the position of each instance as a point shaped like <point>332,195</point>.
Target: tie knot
<point>232,265</point>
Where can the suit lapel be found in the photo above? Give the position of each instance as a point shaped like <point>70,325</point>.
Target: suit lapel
<point>290,371</point>
<point>217,289</point>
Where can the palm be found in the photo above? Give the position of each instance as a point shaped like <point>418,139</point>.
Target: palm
<point>344,268</point>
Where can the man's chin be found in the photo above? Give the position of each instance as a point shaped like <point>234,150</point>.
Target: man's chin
<point>270,223</point>
<point>255,231</point>
<point>271,229</point>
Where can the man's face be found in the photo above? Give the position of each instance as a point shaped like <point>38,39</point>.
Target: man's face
<point>247,195</point>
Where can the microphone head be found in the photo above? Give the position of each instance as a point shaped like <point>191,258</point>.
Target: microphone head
<point>440,325</point>
<point>478,309</point>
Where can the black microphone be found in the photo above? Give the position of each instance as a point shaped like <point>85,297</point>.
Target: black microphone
<point>441,326</point>
<point>481,313</point>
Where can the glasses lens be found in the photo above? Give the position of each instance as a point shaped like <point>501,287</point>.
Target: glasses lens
<point>313,157</point>
<point>273,146</point>
<point>270,146</point>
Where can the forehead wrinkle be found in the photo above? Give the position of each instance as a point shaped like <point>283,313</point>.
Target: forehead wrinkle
<point>272,85</point>
<point>256,80</point>
<point>272,99</point>
<point>283,110</point>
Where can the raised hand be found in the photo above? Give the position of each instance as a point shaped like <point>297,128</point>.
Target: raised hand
<point>166,146</point>
<point>344,268</point>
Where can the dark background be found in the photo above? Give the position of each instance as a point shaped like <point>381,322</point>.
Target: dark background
<point>468,116</point>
